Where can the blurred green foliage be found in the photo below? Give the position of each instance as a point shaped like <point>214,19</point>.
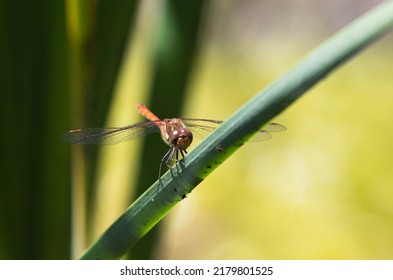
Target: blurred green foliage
<point>34,174</point>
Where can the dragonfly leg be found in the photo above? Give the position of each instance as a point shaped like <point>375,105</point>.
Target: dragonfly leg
<point>177,160</point>
<point>166,158</point>
<point>183,154</point>
<point>172,154</point>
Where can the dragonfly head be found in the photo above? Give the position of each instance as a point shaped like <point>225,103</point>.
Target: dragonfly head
<point>181,138</point>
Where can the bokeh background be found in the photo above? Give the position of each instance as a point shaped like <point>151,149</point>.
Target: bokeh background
<point>321,190</point>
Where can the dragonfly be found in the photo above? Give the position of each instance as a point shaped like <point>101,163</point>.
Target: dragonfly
<point>177,133</point>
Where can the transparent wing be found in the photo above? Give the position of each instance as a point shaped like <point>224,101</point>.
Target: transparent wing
<point>264,133</point>
<point>110,135</point>
<point>202,127</point>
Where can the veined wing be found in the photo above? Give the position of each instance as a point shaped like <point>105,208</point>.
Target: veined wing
<point>202,127</point>
<point>110,135</point>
